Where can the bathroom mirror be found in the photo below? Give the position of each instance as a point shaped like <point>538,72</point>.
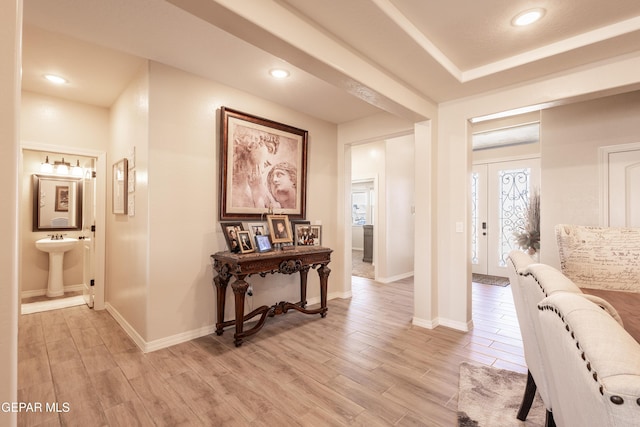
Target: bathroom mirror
<point>57,203</point>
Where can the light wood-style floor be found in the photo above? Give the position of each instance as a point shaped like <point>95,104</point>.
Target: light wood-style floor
<point>362,365</point>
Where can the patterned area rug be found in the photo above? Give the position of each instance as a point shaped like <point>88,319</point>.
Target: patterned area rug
<point>491,397</point>
<point>490,280</point>
<point>361,268</point>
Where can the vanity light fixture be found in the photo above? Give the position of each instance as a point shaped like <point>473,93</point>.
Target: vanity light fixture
<point>55,79</point>
<point>46,167</point>
<point>528,17</point>
<point>279,73</point>
<point>60,167</point>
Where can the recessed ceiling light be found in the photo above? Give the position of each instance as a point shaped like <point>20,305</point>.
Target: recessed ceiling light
<point>527,17</point>
<point>55,79</point>
<point>279,73</point>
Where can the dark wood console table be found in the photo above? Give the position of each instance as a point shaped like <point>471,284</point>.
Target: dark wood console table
<point>240,266</point>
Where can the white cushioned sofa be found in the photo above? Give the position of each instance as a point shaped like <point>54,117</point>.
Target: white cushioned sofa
<point>592,362</point>
<point>531,283</point>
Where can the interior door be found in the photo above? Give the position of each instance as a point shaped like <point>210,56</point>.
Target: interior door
<point>500,192</point>
<point>624,188</point>
<point>88,231</point>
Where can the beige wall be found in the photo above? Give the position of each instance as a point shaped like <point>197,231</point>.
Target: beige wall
<point>399,205</point>
<point>61,123</point>
<point>127,239</point>
<point>10,30</point>
<point>571,137</point>
<point>159,275</point>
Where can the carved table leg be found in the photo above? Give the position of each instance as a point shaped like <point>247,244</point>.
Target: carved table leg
<point>303,285</point>
<point>323,272</point>
<point>239,287</point>
<point>221,281</point>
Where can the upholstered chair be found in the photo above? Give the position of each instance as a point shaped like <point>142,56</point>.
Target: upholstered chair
<point>520,277</point>
<point>594,363</point>
<point>603,258</point>
<point>518,262</point>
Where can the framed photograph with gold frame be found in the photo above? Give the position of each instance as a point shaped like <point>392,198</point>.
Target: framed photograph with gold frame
<point>279,229</point>
<point>263,166</point>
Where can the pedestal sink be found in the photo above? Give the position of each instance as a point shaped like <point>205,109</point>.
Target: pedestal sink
<point>56,249</point>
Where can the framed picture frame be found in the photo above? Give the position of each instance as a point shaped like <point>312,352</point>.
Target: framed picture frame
<point>279,229</point>
<point>230,231</point>
<point>263,244</point>
<point>263,167</point>
<point>258,229</point>
<point>245,242</point>
<point>62,198</point>
<point>307,235</point>
<point>120,184</point>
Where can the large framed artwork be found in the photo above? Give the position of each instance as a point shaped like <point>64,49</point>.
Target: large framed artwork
<point>263,167</point>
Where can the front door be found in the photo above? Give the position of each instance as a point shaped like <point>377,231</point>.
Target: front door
<point>88,231</point>
<point>500,195</point>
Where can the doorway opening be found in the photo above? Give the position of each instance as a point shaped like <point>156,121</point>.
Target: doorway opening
<point>500,192</point>
<point>363,197</point>
<point>79,276</point>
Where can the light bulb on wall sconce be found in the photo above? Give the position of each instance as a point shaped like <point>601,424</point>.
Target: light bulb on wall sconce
<point>77,169</point>
<point>62,167</point>
<point>46,167</point>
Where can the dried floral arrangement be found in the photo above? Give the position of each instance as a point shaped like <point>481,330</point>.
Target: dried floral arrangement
<point>529,238</point>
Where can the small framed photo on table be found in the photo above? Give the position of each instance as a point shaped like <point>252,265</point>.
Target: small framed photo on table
<point>263,244</point>
<point>308,235</point>
<point>280,229</point>
<point>258,228</point>
<point>244,240</point>
<point>231,230</point>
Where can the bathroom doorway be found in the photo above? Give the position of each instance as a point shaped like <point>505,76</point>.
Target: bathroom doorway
<point>83,265</point>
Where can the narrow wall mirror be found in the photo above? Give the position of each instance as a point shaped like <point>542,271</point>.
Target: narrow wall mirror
<point>57,203</point>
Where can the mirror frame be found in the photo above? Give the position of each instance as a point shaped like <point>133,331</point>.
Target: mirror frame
<point>36,201</point>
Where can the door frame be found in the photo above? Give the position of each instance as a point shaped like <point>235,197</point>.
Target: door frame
<point>101,200</point>
<point>603,160</point>
<point>496,160</point>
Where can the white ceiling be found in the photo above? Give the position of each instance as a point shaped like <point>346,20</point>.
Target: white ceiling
<point>439,50</point>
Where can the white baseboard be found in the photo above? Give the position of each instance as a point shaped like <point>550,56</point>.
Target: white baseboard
<point>133,334</point>
<point>432,324</point>
<point>460,326</point>
<point>424,323</point>
<point>394,278</point>
<point>149,346</point>
<point>161,343</point>
<point>41,292</point>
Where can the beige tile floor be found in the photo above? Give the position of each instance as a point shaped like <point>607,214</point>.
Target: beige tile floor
<point>364,364</point>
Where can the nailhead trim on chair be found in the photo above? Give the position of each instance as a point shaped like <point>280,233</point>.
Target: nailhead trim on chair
<point>538,282</point>
<point>617,400</point>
